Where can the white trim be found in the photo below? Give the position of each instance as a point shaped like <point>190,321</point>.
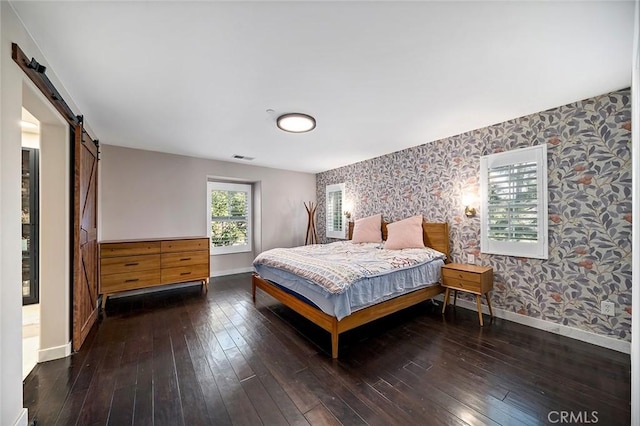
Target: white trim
<point>538,249</point>
<point>23,418</point>
<point>218,273</point>
<point>239,187</point>
<point>56,352</point>
<point>335,233</point>
<point>552,327</point>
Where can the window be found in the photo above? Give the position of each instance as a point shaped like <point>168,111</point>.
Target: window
<point>514,201</point>
<point>229,217</point>
<point>335,218</point>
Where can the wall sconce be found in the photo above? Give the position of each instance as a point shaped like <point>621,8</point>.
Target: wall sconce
<point>469,211</point>
<point>468,200</point>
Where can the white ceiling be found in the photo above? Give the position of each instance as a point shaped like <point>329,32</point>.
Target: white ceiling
<point>197,78</point>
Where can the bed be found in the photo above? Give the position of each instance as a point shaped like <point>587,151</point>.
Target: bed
<point>279,285</point>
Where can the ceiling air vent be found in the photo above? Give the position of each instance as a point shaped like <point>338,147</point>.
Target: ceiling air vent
<point>242,157</point>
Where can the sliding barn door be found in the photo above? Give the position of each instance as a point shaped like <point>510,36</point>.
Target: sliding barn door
<point>85,245</point>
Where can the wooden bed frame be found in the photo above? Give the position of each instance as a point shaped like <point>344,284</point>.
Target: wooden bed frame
<point>436,236</point>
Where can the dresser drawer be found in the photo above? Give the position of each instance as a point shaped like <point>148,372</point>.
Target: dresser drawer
<point>172,260</point>
<point>185,245</point>
<point>129,281</point>
<point>129,249</point>
<point>117,265</point>
<point>461,275</point>
<point>184,274</point>
<point>471,286</point>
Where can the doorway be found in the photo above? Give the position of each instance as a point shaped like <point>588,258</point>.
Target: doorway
<point>48,322</point>
<point>30,218</point>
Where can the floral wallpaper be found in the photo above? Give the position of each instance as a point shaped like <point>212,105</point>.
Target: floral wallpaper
<point>589,183</point>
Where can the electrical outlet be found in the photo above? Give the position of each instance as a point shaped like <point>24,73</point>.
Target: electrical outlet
<point>471,258</point>
<point>607,308</point>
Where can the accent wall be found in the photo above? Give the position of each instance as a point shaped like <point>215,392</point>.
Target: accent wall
<point>589,189</point>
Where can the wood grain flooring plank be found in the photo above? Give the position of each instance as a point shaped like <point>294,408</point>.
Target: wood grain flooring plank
<point>212,398</point>
<point>246,346</point>
<point>321,416</point>
<point>262,402</point>
<point>73,404</point>
<point>194,406</point>
<point>167,408</point>
<point>235,399</point>
<point>122,406</point>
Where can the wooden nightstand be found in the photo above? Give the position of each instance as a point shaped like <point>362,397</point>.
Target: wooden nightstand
<point>473,279</point>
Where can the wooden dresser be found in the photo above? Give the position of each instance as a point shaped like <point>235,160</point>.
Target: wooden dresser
<point>136,264</point>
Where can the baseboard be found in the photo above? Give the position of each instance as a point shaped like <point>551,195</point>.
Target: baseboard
<point>23,418</point>
<point>552,327</point>
<point>232,271</point>
<point>55,352</point>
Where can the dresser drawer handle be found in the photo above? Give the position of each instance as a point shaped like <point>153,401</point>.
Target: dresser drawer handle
<point>186,273</point>
<point>185,258</point>
<point>460,276</point>
<point>131,264</point>
<point>132,280</point>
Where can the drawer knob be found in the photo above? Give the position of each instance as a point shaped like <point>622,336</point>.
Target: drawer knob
<point>132,280</point>
<point>131,264</point>
<point>184,259</point>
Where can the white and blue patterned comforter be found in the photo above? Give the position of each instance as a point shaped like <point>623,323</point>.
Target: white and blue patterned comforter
<point>336,266</point>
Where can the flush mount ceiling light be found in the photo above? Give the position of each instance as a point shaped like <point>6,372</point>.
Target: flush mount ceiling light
<point>296,122</point>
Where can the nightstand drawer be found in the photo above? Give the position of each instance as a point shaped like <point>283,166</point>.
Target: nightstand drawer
<point>460,275</point>
<point>471,286</point>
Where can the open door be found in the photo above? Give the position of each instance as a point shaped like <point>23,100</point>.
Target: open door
<point>85,245</point>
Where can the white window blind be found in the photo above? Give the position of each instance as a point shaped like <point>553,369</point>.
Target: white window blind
<point>335,217</point>
<point>229,217</point>
<point>514,198</point>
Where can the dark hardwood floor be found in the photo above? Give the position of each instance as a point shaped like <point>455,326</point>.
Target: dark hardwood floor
<point>182,357</point>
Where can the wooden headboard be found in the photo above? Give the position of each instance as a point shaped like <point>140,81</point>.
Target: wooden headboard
<point>434,234</point>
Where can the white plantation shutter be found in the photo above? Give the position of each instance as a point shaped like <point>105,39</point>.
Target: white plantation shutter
<point>229,217</point>
<point>514,201</point>
<point>335,217</point>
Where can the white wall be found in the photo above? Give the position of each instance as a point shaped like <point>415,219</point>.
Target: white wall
<point>11,411</point>
<point>30,140</point>
<point>55,245</point>
<point>146,194</point>
<point>13,82</point>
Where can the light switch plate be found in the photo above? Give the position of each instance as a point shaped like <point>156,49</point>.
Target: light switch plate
<point>471,258</point>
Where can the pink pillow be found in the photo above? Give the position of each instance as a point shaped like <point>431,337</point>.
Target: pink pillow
<point>368,230</point>
<point>405,233</point>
